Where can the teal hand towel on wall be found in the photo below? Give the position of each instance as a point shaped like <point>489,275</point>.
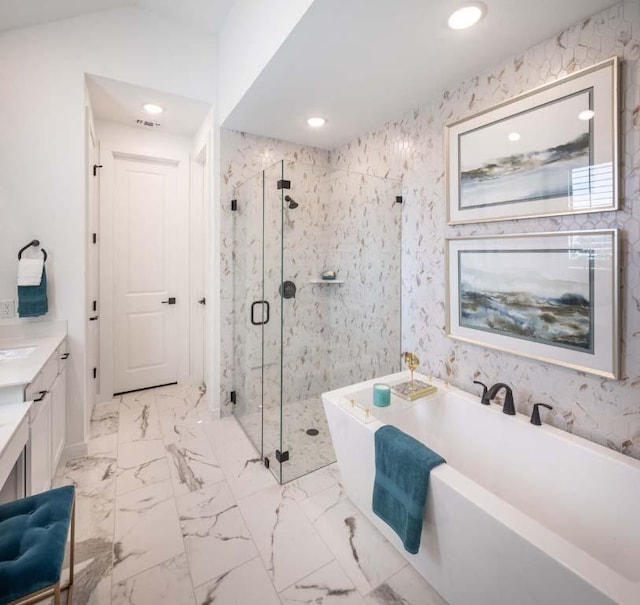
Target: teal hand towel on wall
<point>32,300</point>
<point>403,465</point>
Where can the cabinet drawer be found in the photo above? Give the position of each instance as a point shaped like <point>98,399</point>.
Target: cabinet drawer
<point>43,381</point>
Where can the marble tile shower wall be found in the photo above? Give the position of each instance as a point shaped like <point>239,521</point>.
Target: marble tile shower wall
<point>411,148</point>
<point>307,323</point>
<point>362,236</point>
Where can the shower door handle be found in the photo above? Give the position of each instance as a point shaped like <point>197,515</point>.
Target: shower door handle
<point>265,319</point>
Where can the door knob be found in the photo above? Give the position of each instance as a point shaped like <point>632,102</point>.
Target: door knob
<point>170,301</point>
<point>202,301</point>
<point>94,318</point>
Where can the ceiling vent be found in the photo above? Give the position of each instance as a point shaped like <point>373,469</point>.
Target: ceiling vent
<point>148,123</point>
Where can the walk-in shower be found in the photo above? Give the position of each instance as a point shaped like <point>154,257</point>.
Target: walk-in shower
<point>297,335</point>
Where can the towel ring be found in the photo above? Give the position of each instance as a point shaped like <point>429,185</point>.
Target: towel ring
<point>34,243</point>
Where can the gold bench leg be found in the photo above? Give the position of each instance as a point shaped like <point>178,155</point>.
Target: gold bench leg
<point>72,548</point>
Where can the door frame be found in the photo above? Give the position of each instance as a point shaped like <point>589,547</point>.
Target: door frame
<point>110,152</point>
<point>199,266</point>
<point>207,141</point>
<point>91,396</point>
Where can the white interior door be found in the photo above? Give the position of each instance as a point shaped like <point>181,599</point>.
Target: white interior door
<point>146,279</point>
<point>93,266</point>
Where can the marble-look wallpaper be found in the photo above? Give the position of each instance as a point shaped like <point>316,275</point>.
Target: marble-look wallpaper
<point>411,148</point>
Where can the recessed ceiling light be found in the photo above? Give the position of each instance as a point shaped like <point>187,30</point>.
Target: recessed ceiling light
<point>152,108</point>
<point>468,15</point>
<point>316,122</point>
<point>514,136</point>
<point>587,114</point>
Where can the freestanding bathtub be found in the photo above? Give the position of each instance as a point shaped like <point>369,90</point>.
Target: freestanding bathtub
<point>519,515</point>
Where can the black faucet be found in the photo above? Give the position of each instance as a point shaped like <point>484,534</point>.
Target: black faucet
<point>484,399</point>
<point>508,407</point>
<point>535,417</point>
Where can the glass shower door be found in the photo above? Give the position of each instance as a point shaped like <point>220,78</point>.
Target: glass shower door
<point>257,313</point>
<point>247,310</point>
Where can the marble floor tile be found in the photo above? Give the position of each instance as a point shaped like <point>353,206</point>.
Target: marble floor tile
<point>141,463</point>
<point>247,584</point>
<point>407,587</point>
<point>365,555</point>
<point>319,480</point>
<point>216,538</point>
<point>288,544</point>
<point>183,409</point>
<point>93,566</point>
<point>326,586</point>
<point>139,418</point>
<point>83,472</point>
<point>322,502</point>
<point>193,465</point>
<point>95,510</point>
<point>166,584</point>
<point>174,430</point>
<point>104,420</point>
<point>106,445</point>
<point>243,468</point>
<point>147,530</point>
<point>223,433</point>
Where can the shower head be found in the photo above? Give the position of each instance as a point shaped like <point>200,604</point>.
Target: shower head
<point>292,203</point>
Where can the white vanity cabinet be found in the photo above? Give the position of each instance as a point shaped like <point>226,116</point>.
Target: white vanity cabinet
<point>47,421</point>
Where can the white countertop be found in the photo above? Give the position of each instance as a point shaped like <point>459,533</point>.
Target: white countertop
<point>45,336</point>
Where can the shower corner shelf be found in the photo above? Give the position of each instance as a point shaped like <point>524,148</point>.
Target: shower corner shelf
<point>326,281</point>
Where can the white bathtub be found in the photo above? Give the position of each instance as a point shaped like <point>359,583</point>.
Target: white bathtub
<point>519,515</point>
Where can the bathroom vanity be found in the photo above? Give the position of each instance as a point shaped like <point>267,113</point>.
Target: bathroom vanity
<point>32,406</point>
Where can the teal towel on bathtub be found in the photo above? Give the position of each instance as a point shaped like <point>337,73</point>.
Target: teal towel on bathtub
<point>32,300</point>
<point>403,465</point>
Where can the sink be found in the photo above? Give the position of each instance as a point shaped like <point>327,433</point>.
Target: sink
<point>16,353</point>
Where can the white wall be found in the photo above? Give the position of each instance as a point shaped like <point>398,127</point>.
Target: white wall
<point>42,181</point>
<point>252,34</point>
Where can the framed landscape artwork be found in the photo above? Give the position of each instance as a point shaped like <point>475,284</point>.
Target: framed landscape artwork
<point>550,151</point>
<point>549,296</point>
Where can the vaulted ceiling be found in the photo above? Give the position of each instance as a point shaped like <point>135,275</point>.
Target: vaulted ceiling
<point>206,15</point>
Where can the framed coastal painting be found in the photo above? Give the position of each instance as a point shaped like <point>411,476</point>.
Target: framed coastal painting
<point>548,296</point>
<point>550,151</point>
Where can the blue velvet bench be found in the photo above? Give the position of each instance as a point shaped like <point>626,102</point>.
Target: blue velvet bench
<point>33,538</point>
